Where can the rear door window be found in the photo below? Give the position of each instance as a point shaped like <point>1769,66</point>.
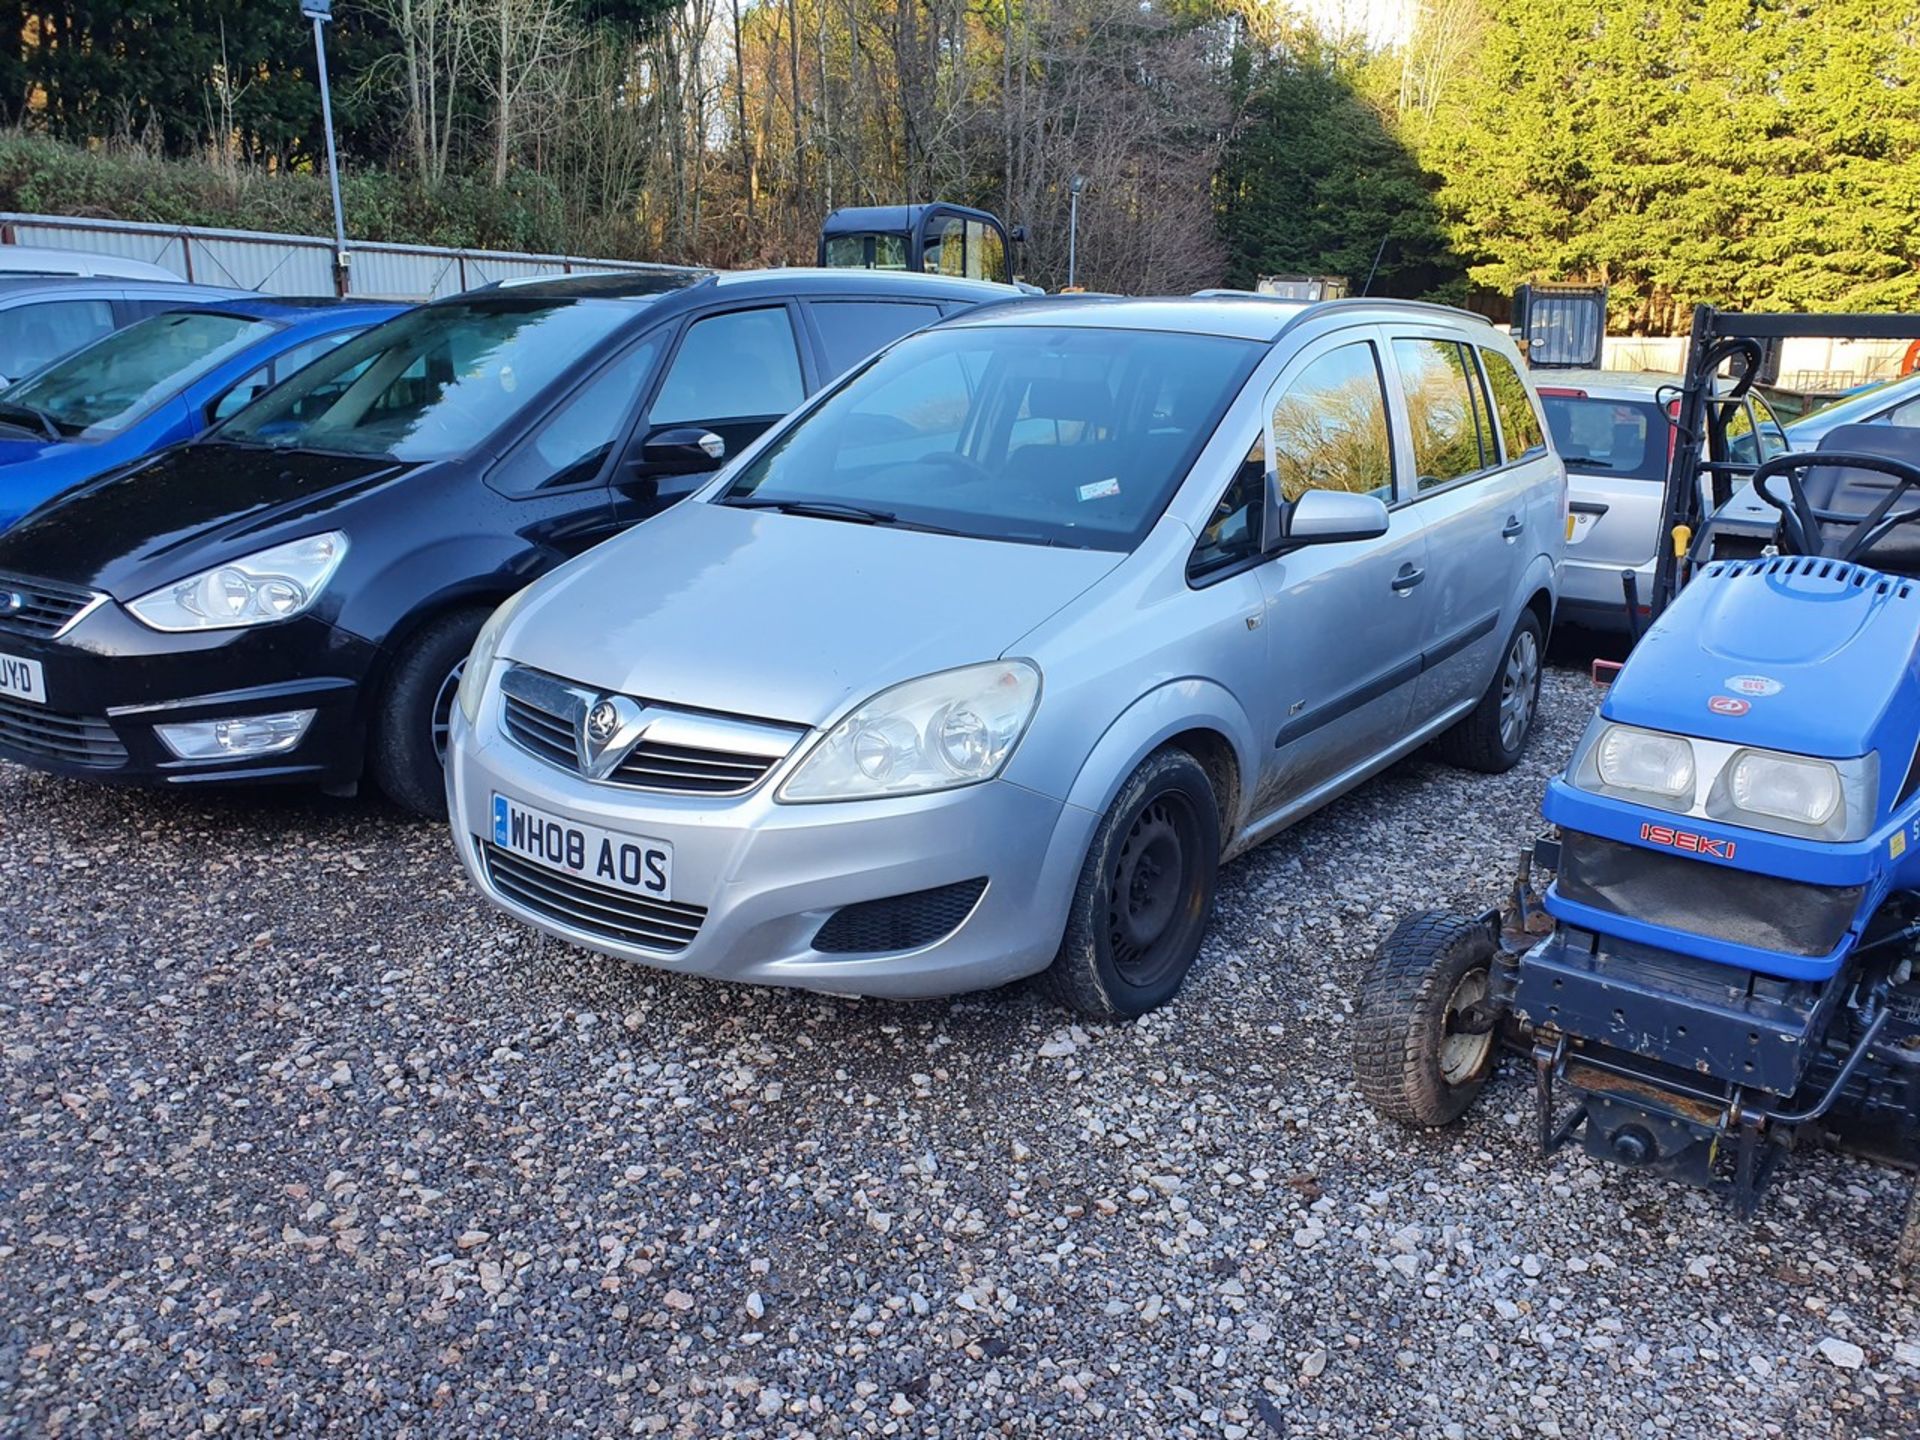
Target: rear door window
<point>851,330</point>
<point>743,364</point>
<point>1439,383</point>
<point>1626,438</point>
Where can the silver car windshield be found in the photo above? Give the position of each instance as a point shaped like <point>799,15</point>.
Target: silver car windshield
<point>432,383</point>
<point>1064,436</point>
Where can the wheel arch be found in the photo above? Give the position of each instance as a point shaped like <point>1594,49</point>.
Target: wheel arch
<point>1199,716</point>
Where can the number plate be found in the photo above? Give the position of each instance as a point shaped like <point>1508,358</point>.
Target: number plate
<point>631,863</point>
<point>22,679</point>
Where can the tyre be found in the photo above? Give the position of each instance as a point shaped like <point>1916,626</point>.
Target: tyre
<point>1493,738</point>
<point>1144,895</point>
<point>1411,1063</point>
<point>409,743</point>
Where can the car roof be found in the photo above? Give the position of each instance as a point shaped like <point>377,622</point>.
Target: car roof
<point>647,286</point>
<point>1241,315</point>
<point>45,260</point>
<point>295,308</point>
<point>81,287</point>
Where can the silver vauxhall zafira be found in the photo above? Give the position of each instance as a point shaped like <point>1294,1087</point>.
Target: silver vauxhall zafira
<point>979,664</point>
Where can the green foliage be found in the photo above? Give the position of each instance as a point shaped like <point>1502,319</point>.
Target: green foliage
<point>43,176</point>
<point>1763,154</point>
<point>1314,182</point>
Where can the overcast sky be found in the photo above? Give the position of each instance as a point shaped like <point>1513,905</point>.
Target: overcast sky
<point>1384,21</point>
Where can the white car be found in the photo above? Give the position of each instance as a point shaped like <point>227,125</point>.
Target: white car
<point>38,261</point>
<point>1612,429</point>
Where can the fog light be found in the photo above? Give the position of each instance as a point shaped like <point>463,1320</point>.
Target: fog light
<point>242,735</point>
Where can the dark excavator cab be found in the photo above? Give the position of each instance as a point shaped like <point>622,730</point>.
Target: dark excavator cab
<point>932,239</point>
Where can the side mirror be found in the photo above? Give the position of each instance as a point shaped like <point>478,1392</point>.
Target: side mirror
<point>684,448</point>
<point>1017,235</point>
<point>1327,517</point>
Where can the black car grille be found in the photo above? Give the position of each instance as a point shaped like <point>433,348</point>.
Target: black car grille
<point>901,922</point>
<point>592,909</point>
<point>1703,897</point>
<point>547,730</point>
<point>39,607</point>
<point>48,735</point>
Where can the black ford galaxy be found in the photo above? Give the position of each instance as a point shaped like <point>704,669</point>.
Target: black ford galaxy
<point>291,597</point>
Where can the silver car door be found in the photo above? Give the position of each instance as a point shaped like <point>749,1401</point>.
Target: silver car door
<point>1473,509</point>
<point>1345,619</point>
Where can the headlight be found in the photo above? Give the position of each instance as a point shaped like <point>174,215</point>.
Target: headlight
<point>1645,762</point>
<point>257,589</point>
<point>935,733</point>
<point>1784,787</point>
<point>486,646</point>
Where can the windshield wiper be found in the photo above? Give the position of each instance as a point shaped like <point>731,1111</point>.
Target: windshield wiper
<point>819,510</point>
<point>42,421</point>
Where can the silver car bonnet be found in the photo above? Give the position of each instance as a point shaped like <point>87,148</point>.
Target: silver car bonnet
<point>785,617</point>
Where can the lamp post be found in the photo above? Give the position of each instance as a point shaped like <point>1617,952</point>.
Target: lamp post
<point>320,12</point>
<point>1074,187</point>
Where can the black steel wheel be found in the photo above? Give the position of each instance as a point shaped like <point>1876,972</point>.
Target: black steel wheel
<point>1145,892</point>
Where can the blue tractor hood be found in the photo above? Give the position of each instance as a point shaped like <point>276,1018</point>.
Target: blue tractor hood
<point>1792,653</point>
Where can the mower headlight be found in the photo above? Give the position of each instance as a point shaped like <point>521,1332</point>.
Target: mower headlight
<point>1784,787</point>
<point>1645,762</point>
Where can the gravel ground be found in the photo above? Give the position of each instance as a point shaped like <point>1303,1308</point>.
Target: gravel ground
<point>299,1138</point>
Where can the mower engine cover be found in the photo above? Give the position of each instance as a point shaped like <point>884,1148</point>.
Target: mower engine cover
<point>1745,794</point>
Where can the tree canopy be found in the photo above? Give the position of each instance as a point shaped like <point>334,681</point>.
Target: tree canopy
<point>1759,153</point>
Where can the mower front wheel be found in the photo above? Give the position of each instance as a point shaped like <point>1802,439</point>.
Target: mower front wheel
<point>1421,1050</point>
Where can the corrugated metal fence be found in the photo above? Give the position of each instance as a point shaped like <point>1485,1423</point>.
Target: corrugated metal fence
<point>295,264</point>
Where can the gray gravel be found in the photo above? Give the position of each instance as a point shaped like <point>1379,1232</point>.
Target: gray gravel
<point>298,1138</point>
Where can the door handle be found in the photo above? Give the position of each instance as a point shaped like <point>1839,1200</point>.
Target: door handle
<point>1409,576</point>
<point>1513,527</point>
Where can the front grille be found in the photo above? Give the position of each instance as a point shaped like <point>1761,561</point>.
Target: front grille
<point>592,909</point>
<point>682,751</point>
<point>901,922</point>
<point>43,607</point>
<point>48,735</point>
<point>1702,897</point>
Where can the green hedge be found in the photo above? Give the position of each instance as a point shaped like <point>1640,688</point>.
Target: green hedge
<point>49,178</point>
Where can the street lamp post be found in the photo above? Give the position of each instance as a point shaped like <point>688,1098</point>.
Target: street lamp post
<point>1074,187</point>
<point>320,12</point>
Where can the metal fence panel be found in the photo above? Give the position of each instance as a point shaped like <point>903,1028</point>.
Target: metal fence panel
<point>296,264</point>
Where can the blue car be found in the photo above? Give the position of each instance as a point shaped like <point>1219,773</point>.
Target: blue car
<point>154,384</point>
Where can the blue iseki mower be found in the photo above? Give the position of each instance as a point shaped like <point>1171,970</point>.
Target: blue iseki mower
<point>1723,963</point>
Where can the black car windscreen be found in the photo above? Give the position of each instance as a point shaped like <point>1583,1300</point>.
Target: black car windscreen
<point>429,384</point>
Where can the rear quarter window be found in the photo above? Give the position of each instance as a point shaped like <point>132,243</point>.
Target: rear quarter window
<point>1521,429</point>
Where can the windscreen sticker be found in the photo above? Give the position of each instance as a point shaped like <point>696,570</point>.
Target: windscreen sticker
<point>1101,489</point>
<point>1729,705</point>
<point>1753,685</point>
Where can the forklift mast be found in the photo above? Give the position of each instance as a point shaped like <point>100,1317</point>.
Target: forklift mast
<point>1699,484</point>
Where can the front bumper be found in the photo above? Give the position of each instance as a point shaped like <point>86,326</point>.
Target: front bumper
<point>758,879</point>
<point>110,680</point>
